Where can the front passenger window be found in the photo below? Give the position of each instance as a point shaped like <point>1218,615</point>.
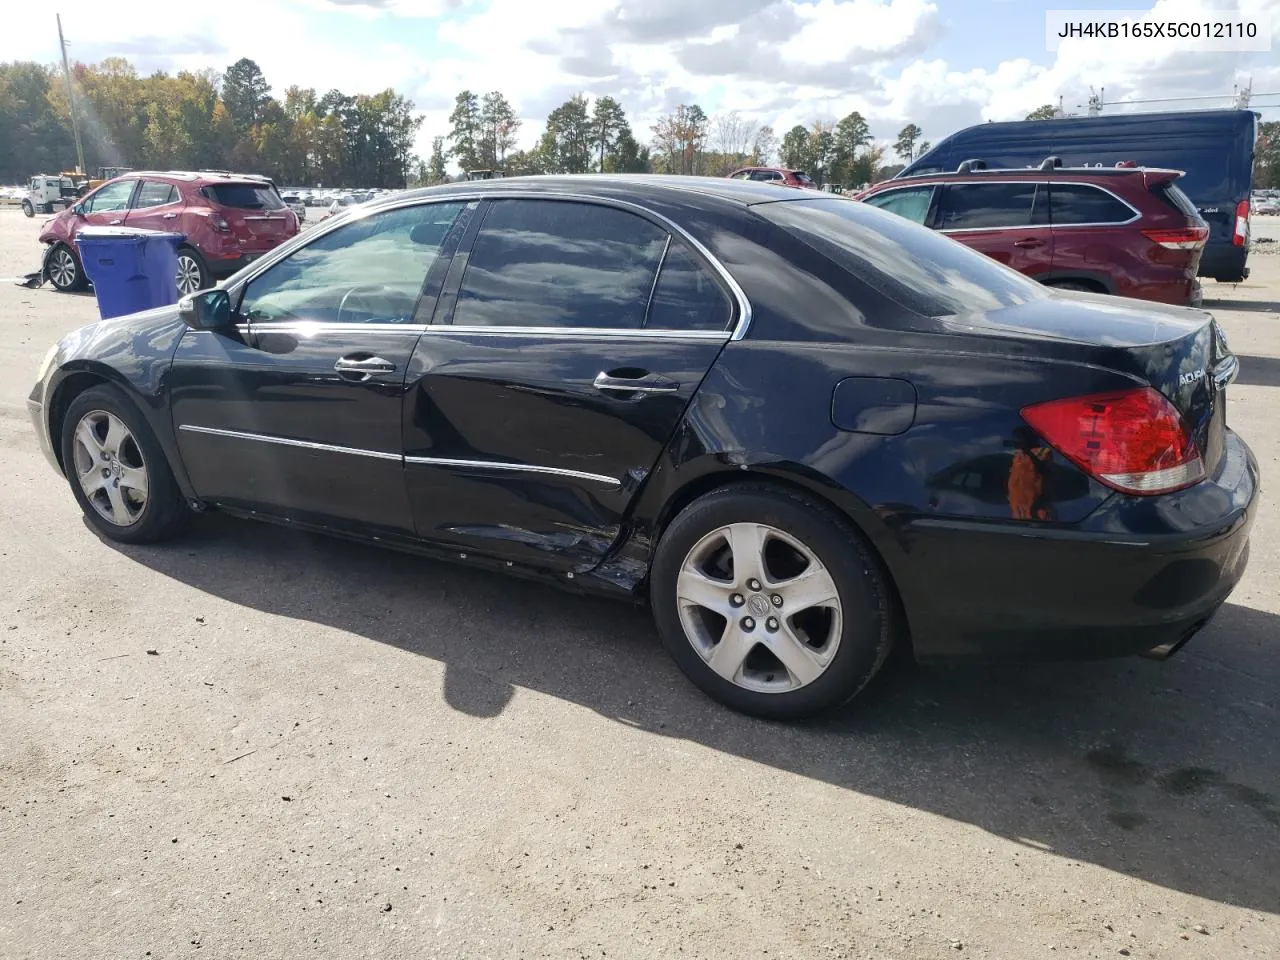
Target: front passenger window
<point>369,271</point>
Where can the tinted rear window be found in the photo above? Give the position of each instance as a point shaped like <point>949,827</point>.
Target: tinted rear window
<point>244,196</point>
<point>980,206</point>
<point>1172,194</point>
<point>1075,203</point>
<point>928,273</point>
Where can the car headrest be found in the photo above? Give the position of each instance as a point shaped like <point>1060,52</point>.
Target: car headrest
<point>429,234</point>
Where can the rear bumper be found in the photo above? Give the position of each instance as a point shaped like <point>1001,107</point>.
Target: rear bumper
<point>1225,262</point>
<point>225,267</point>
<point>1139,573</point>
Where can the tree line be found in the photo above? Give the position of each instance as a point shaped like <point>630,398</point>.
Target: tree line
<point>202,121</point>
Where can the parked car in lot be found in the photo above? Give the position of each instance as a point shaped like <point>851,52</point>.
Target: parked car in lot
<point>778,176</point>
<point>1215,148</point>
<point>1124,231</point>
<point>1267,207</point>
<point>294,202</point>
<point>228,221</point>
<point>802,428</point>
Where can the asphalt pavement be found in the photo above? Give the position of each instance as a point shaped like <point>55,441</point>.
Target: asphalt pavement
<point>258,743</point>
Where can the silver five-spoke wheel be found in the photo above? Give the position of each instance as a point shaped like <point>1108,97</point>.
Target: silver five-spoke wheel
<point>110,468</point>
<point>759,607</point>
<point>62,268</point>
<point>189,274</point>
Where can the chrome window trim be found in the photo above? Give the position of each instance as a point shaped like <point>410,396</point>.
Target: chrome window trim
<point>265,262</point>
<point>289,442</point>
<point>512,467</point>
<point>590,333</point>
<point>312,326</point>
<point>1137,214</point>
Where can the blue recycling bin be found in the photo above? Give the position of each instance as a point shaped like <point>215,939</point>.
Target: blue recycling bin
<point>132,269</point>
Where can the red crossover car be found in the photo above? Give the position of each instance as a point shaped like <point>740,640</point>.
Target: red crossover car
<point>780,176</point>
<point>1127,231</point>
<point>228,220</point>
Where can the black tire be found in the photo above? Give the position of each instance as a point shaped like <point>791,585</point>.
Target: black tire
<point>64,269</point>
<point>192,266</point>
<point>867,619</point>
<point>164,514</point>
<point>28,209</point>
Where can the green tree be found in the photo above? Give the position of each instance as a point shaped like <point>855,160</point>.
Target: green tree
<point>796,150</point>
<point>465,131</point>
<point>679,138</point>
<point>851,135</point>
<point>245,91</point>
<point>1266,156</point>
<point>498,127</point>
<point>437,169</point>
<point>35,138</point>
<point>608,124</point>
<point>905,145</point>
<point>627,156</point>
<point>1046,112</point>
<point>566,143</point>
<point>765,147</point>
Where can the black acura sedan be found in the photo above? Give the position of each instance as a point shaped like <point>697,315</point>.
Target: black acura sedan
<point>802,428</point>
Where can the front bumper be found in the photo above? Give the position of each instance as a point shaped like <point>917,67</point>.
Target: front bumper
<point>35,410</point>
<point>1140,573</point>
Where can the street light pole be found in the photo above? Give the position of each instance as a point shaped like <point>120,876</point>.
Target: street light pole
<point>71,97</point>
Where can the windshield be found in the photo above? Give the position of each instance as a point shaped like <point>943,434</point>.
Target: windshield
<point>929,274</point>
<point>244,196</point>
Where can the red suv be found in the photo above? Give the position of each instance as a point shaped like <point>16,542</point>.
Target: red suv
<point>777,175</point>
<point>228,220</point>
<point>1127,231</point>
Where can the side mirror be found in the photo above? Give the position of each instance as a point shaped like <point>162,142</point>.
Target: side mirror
<point>78,209</point>
<point>206,310</point>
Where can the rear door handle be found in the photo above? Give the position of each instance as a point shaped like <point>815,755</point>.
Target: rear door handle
<point>360,366</point>
<point>1028,243</point>
<point>644,383</point>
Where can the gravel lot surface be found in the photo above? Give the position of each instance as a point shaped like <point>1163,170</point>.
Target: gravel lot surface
<point>254,743</point>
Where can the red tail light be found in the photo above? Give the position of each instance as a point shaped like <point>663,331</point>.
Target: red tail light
<point>1183,238</point>
<point>1131,440</point>
<point>219,223</point>
<point>1241,235</point>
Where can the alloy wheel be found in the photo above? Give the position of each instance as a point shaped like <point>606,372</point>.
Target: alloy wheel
<point>759,607</point>
<point>62,268</point>
<point>188,274</point>
<point>110,468</point>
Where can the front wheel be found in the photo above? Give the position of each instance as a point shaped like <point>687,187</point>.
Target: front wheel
<point>770,603</point>
<point>64,270</point>
<point>117,470</point>
<point>28,209</point>
<point>193,275</point>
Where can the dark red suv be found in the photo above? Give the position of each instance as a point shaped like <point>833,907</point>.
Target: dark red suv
<point>1127,231</point>
<point>781,176</point>
<point>228,220</point>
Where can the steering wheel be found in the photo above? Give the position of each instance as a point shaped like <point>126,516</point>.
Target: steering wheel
<point>358,290</point>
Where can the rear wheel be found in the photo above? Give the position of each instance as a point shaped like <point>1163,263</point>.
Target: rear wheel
<point>28,209</point>
<point>117,470</point>
<point>770,603</point>
<point>64,270</point>
<point>193,275</point>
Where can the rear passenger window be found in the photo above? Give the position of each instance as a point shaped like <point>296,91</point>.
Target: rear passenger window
<point>975,206</point>
<point>687,297</point>
<point>1079,203</point>
<point>155,194</point>
<point>550,263</point>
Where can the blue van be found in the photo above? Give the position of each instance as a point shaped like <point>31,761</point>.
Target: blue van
<point>1213,147</point>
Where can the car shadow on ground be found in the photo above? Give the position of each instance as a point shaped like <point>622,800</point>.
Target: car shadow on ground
<point>1258,371</point>
<point>1168,772</point>
<point>1244,306</point>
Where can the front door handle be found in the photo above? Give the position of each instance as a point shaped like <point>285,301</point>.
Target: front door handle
<point>642,383</point>
<point>362,366</point>
<point>170,216</point>
<point>1029,243</point>
<point>115,223</point>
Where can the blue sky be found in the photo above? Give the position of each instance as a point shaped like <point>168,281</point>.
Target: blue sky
<point>943,64</point>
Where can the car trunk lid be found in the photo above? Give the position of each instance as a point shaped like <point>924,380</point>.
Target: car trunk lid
<point>254,211</point>
<point>1181,352</point>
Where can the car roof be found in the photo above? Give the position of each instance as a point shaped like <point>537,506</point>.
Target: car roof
<point>1032,173</point>
<point>191,176</point>
<point>635,187</point>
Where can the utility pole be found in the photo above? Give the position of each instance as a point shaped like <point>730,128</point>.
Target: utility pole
<point>71,98</point>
